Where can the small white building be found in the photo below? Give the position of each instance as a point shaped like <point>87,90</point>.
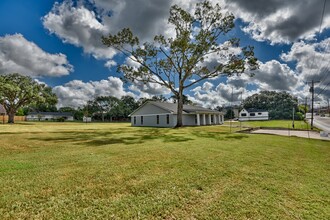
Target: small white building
<point>161,114</point>
<point>87,119</point>
<point>49,116</point>
<point>253,115</point>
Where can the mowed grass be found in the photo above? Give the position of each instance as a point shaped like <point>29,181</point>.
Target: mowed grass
<point>114,171</point>
<point>301,125</point>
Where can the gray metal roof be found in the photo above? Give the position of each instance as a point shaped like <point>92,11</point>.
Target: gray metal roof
<point>255,110</point>
<point>173,108</point>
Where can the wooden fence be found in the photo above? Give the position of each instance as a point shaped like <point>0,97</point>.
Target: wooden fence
<point>4,118</point>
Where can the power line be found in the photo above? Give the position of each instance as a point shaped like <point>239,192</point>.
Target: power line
<point>319,93</point>
<point>320,27</point>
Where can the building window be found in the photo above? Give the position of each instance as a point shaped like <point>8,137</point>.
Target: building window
<point>243,114</point>
<point>141,120</point>
<point>252,114</point>
<point>134,120</point>
<point>259,113</point>
<point>167,119</point>
<point>157,119</point>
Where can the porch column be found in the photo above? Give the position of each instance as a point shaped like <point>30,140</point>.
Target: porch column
<point>219,117</point>
<point>222,119</point>
<point>204,119</point>
<point>215,119</point>
<point>210,122</point>
<point>198,120</point>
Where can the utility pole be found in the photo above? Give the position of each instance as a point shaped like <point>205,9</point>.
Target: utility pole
<point>312,91</point>
<point>293,117</point>
<point>231,105</point>
<point>305,107</point>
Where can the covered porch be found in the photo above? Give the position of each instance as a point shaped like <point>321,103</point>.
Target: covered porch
<point>209,118</point>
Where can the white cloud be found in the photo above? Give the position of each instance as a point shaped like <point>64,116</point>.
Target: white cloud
<point>147,90</point>
<point>76,93</point>
<point>80,27</point>
<point>20,55</point>
<point>312,63</point>
<point>110,63</point>
<point>281,21</point>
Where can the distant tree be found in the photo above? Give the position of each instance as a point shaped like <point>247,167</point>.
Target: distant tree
<point>160,98</point>
<point>278,104</point>
<point>218,108</point>
<point>179,63</point>
<point>229,114</point>
<point>126,106</point>
<point>46,105</point>
<point>78,114</point>
<point>185,100</point>
<point>100,107</point>
<point>303,109</point>
<point>20,112</point>
<point>17,91</point>
<point>66,109</point>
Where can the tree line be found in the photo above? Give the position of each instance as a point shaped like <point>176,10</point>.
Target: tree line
<point>278,104</point>
<point>109,108</point>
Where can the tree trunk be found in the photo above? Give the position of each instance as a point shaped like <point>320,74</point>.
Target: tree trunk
<point>102,117</point>
<point>180,109</point>
<point>11,117</point>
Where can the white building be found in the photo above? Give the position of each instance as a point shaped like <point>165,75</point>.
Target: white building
<point>161,114</point>
<point>253,115</point>
<point>49,116</point>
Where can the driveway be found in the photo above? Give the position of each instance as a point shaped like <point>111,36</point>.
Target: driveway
<point>304,134</point>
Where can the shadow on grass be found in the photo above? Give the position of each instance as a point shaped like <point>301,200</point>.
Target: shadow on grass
<point>219,135</point>
<point>119,136</point>
<point>129,136</point>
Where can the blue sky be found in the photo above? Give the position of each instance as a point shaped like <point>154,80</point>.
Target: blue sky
<point>58,43</point>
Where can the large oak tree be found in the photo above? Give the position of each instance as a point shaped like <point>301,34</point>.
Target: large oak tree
<point>17,91</point>
<point>180,62</point>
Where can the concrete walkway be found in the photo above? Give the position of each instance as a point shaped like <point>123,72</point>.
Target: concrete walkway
<point>304,134</point>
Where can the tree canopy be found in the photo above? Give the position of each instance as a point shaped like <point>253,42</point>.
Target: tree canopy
<point>278,104</point>
<point>17,91</point>
<point>182,61</point>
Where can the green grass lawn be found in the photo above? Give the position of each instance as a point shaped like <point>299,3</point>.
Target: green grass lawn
<point>114,171</point>
<point>272,124</point>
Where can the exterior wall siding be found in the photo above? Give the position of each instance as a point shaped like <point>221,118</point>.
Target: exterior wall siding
<point>258,117</point>
<point>151,121</point>
<point>150,112</point>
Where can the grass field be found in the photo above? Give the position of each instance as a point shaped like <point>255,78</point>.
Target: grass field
<point>272,124</point>
<point>114,171</point>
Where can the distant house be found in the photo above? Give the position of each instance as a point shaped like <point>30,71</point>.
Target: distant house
<point>87,119</point>
<point>160,114</point>
<point>2,110</point>
<point>253,115</point>
<point>49,116</point>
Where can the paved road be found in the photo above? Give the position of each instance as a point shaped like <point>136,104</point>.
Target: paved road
<point>322,123</point>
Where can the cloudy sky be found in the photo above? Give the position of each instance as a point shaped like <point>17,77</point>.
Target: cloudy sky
<point>59,43</point>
